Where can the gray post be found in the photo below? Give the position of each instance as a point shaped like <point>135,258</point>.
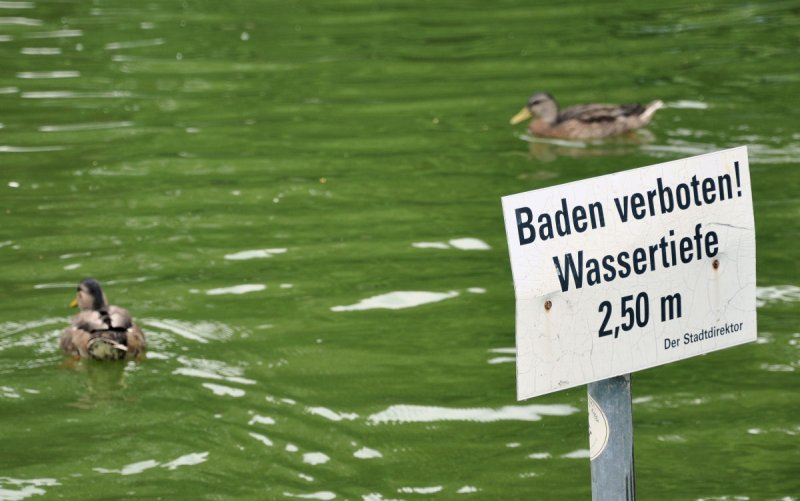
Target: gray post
<point>611,439</point>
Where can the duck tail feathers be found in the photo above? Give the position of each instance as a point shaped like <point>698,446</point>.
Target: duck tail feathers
<point>650,110</point>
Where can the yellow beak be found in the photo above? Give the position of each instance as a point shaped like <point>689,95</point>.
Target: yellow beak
<point>73,303</point>
<point>523,115</point>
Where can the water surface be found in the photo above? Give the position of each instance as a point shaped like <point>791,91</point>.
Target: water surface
<point>300,202</point>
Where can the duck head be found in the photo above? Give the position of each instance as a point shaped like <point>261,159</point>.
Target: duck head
<point>541,105</point>
<point>90,296</point>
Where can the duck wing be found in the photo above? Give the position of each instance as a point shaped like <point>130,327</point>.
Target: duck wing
<point>593,113</point>
<point>119,318</point>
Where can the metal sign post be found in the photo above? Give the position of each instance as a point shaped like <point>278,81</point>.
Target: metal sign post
<point>611,439</point>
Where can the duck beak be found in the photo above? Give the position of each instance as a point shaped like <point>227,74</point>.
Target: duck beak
<point>523,115</point>
<point>73,303</point>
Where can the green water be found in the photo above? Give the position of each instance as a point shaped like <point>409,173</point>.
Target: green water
<point>150,145</point>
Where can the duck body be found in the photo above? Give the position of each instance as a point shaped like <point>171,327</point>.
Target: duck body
<point>585,121</point>
<point>101,331</point>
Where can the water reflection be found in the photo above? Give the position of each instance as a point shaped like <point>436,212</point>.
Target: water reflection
<point>548,150</point>
<point>105,382</point>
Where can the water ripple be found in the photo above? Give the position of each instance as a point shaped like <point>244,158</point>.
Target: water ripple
<point>261,438</point>
<point>33,75</point>
<point>19,21</point>
<point>141,466</point>
<point>236,289</point>
<point>323,495</point>
<point>56,34</point>
<point>224,391</point>
<point>16,5</point>
<point>202,332</point>
<point>331,415</point>
<point>254,254</point>
<point>40,51</point>
<point>777,294</point>
<point>27,487</point>
<point>457,243</point>
<point>427,414</point>
<point>66,94</point>
<point>367,453</point>
<point>397,300</point>
<point>29,149</point>
<point>135,44</point>
<point>86,126</point>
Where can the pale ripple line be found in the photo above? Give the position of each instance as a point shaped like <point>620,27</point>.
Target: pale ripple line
<point>16,5</point>
<point>777,293</point>
<point>421,490</point>
<point>82,127</point>
<point>40,51</point>
<point>254,254</point>
<point>56,34</point>
<point>29,149</point>
<point>257,419</point>
<point>427,414</point>
<point>686,104</point>
<point>578,454</point>
<point>315,458</point>
<point>9,90</point>
<point>224,391</point>
<point>215,367</point>
<point>236,289</point>
<point>323,495</point>
<point>34,75</point>
<point>261,438</point>
<point>511,350</point>
<point>331,415</point>
<point>198,373</point>
<point>19,21</point>
<point>135,44</point>
<point>502,360</point>
<point>186,460</point>
<point>29,487</point>
<point>65,94</point>
<point>191,459</point>
<point>457,243</point>
<point>202,332</point>
<point>367,453</point>
<point>397,300</point>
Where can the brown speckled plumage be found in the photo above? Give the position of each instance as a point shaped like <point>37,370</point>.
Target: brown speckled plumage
<point>585,121</point>
<point>99,330</point>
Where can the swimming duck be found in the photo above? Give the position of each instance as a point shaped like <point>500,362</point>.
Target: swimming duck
<point>584,121</point>
<point>99,330</point>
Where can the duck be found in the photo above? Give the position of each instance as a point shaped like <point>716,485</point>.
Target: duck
<point>584,121</point>
<point>101,331</point>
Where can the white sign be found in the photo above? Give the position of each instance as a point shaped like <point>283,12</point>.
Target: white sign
<point>627,271</point>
